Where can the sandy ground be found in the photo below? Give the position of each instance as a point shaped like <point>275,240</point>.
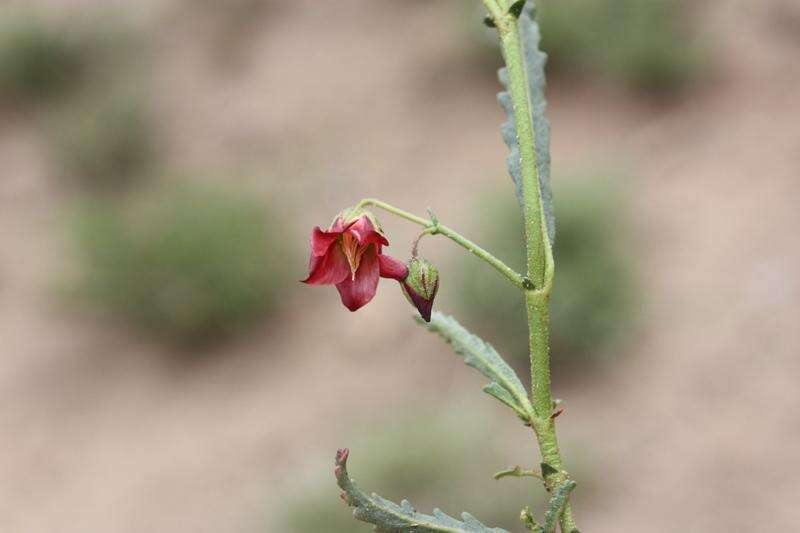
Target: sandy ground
<point>696,430</point>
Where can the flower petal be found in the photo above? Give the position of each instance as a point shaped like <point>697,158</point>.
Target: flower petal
<point>356,293</point>
<point>363,229</point>
<point>328,269</point>
<point>339,225</point>
<point>392,268</point>
<point>321,240</point>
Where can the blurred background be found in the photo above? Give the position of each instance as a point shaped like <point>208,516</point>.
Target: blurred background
<point>164,161</point>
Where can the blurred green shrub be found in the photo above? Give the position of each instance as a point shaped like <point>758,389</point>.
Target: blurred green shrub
<point>37,61</point>
<point>43,59</point>
<point>594,295</point>
<point>642,44</point>
<point>105,142</point>
<point>189,264</point>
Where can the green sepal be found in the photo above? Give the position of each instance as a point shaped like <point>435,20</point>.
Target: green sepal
<point>423,277</point>
<point>352,213</point>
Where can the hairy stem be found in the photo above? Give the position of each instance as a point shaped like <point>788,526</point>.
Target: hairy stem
<point>517,471</point>
<point>415,246</point>
<point>494,7</point>
<point>520,101</point>
<point>433,227</point>
<point>536,304</point>
<point>539,265</point>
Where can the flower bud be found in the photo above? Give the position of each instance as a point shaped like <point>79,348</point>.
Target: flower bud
<point>421,285</point>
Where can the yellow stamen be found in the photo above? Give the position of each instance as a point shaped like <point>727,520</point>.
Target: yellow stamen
<point>353,251</point>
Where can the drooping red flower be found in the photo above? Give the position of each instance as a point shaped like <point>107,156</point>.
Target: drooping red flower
<point>349,255</point>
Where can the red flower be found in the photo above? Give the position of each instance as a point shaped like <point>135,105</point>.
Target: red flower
<point>349,256</point>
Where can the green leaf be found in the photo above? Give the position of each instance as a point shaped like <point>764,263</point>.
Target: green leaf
<point>556,505</point>
<point>502,395</point>
<point>530,521</point>
<point>388,517</point>
<point>505,385</point>
<point>554,510</point>
<point>516,8</point>
<point>535,61</point>
<point>547,470</point>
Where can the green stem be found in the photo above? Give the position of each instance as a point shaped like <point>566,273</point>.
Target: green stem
<point>415,246</point>
<point>495,10</point>
<point>433,227</point>
<point>540,265</point>
<point>520,102</point>
<point>516,472</point>
<point>537,306</point>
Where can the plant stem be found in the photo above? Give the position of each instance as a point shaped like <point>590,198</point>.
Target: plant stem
<point>495,10</point>
<point>434,227</point>
<point>517,472</point>
<point>520,101</point>
<point>539,265</point>
<point>415,246</point>
<point>537,304</point>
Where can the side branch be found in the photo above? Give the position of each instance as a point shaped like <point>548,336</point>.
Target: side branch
<point>433,227</point>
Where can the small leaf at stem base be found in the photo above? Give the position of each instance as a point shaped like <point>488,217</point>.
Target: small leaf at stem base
<point>516,8</point>
<point>548,470</point>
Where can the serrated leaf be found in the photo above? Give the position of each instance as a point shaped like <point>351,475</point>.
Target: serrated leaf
<point>535,61</point>
<point>388,517</point>
<point>480,355</point>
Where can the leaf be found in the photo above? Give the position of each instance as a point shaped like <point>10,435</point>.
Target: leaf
<point>516,8</point>
<point>530,522</point>
<point>556,505</point>
<point>505,385</point>
<point>535,61</point>
<point>388,517</point>
<point>554,509</point>
<point>547,469</point>
<point>502,395</point>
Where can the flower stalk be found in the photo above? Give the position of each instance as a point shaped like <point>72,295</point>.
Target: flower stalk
<point>433,227</point>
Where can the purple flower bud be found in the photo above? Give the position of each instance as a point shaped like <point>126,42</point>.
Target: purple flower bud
<point>421,285</point>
